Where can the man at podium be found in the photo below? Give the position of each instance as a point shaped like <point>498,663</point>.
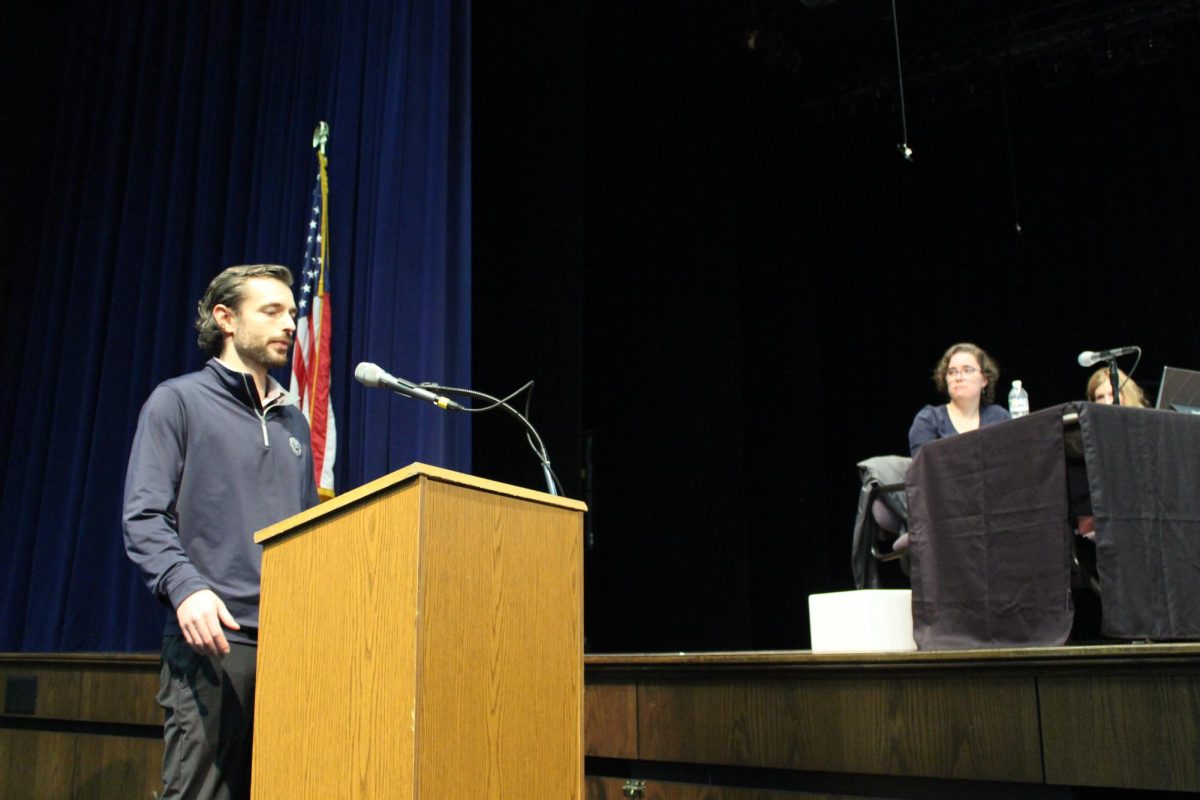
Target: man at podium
<point>218,454</point>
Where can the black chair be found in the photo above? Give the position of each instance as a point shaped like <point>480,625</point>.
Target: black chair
<point>881,527</point>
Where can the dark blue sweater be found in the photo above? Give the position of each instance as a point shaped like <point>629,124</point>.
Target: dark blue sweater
<point>933,422</point>
<point>209,467</point>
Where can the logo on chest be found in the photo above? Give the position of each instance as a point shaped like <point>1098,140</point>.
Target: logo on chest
<point>295,444</point>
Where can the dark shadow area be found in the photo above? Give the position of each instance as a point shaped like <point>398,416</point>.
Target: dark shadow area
<point>728,276</point>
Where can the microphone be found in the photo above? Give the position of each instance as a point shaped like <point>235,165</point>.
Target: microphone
<point>369,374</point>
<point>1087,357</point>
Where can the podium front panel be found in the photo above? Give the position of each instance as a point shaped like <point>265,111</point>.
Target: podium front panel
<point>501,648</point>
<point>336,694</point>
<point>422,637</point>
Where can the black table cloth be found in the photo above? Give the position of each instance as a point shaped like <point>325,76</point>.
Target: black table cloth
<point>991,539</point>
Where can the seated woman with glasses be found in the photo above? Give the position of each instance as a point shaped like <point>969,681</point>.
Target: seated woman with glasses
<point>1100,390</point>
<point>968,376</point>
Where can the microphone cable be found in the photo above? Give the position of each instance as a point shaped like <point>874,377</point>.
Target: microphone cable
<point>531,434</point>
<point>1129,375</point>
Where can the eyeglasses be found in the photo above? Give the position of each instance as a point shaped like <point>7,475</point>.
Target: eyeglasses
<point>965,372</point>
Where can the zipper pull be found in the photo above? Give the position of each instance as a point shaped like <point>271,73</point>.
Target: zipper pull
<point>263,421</point>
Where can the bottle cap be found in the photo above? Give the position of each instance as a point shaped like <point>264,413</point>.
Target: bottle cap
<point>1016,384</point>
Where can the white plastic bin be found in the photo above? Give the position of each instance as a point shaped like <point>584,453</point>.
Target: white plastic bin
<point>861,621</point>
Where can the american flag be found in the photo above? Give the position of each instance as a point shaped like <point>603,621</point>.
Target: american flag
<point>310,356</point>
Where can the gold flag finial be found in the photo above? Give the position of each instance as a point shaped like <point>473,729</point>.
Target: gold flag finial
<point>321,136</point>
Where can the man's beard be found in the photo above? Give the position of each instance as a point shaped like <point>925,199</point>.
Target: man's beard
<point>261,354</point>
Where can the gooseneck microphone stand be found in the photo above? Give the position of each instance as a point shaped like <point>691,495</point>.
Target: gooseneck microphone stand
<point>1114,375</point>
<point>531,435</point>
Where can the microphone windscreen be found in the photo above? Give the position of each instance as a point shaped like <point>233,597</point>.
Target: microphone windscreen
<point>368,374</point>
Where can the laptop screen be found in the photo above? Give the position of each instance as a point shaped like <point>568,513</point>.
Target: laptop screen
<point>1179,390</point>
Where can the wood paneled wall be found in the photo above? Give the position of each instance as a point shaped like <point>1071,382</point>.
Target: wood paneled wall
<point>1122,717</point>
<point>1122,730</point>
<point>94,731</point>
<point>1126,717</point>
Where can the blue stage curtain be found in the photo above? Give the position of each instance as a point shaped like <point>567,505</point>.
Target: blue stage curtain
<point>181,145</point>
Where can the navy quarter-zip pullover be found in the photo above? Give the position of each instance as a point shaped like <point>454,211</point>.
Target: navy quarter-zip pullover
<point>209,467</point>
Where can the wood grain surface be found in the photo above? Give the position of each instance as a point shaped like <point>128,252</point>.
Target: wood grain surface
<point>501,655</point>
<point>334,713</point>
<point>1123,731</point>
<point>425,642</point>
<point>945,728</point>
<point>119,695</point>
<point>58,687</point>
<point>610,720</point>
<point>36,764</point>
<point>613,789</point>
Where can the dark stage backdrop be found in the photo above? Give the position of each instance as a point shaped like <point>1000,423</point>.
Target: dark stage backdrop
<point>154,144</point>
<point>711,258</point>
<point>765,284</point>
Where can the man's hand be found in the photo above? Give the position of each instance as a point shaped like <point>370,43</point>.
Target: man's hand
<point>201,616</point>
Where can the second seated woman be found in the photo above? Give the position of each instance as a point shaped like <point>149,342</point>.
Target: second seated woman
<point>967,375</point>
<point>1100,390</point>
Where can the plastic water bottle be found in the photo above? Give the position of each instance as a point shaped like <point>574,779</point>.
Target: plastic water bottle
<point>1018,400</point>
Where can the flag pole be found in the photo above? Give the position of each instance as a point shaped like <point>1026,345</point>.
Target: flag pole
<point>321,136</point>
<point>310,360</point>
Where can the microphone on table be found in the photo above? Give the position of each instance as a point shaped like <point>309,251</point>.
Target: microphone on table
<point>369,374</point>
<point>1087,358</point>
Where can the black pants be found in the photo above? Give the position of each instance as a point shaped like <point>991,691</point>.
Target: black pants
<point>209,704</point>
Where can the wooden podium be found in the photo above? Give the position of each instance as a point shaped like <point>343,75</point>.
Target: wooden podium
<point>422,638</point>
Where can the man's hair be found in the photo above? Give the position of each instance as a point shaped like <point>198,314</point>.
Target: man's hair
<point>987,365</point>
<point>226,290</point>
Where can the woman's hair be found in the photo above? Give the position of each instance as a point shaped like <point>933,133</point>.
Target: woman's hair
<point>226,290</point>
<point>987,365</point>
<point>1131,393</point>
